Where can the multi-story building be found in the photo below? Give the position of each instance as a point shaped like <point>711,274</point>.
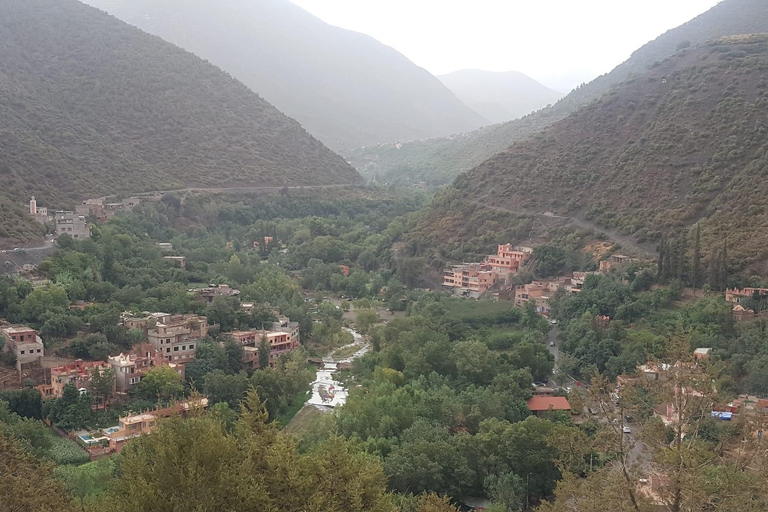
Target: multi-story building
<point>24,343</point>
<point>79,373</point>
<point>131,367</point>
<point>72,224</point>
<point>174,336</point>
<point>509,258</point>
<point>472,278</point>
<point>283,336</point>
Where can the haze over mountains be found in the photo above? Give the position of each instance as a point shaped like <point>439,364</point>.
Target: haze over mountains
<point>685,142</point>
<point>499,97</point>
<point>345,88</point>
<point>91,106</point>
<point>438,161</point>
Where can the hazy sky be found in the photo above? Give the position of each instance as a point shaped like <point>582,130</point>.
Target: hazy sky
<point>559,42</point>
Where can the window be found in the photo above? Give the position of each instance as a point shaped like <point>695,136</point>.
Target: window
<point>168,349</point>
<point>39,350</point>
<point>183,347</point>
<point>22,352</point>
<point>191,347</point>
<point>175,349</point>
<point>135,380</point>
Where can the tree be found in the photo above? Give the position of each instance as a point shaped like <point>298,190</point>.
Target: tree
<point>28,483</point>
<point>102,384</point>
<point>228,389</point>
<point>195,464</point>
<point>696,274</point>
<point>265,350</point>
<point>70,412</point>
<point>535,357</point>
<point>160,383</point>
<point>365,320</point>
<point>27,402</point>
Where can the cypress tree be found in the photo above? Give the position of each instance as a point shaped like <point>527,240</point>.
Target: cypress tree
<point>696,263</point>
<point>713,269</point>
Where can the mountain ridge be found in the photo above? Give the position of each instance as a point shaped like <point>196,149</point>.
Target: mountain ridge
<point>92,106</point>
<point>684,143</point>
<point>346,88</point>
<point>438,161</point>
<point>499,96</point>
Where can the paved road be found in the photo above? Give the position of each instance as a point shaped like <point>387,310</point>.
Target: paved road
<point>626,241</point>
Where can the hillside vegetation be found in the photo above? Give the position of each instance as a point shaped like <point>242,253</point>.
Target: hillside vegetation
<point>438,161</point>
<point>687,142</point>
<point>345,88</point>
<point>91,106</point>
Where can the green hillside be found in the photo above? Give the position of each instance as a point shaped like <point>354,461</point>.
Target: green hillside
<point>92,106</point>
<point>686,142</point>
<point>438,161</point>
<point>346,88</point>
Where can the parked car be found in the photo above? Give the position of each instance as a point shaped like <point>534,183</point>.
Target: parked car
<point>628,419</point>
<point>551,343</point>
<point>592,411</point>
<point>627,430</point>
<point>553,321</point>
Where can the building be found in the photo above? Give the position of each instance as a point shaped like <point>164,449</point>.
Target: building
<point>737,296</point>
<point>508,258</point>
<point>174,336</point>
<point>79,374</point>
<point>702,353</point>
<point>165,246</point>
<point>344,269</point>
<point>24,343</point>
<point>615,261</point>
<point>72,224</point>
<point>136,425</point>
<point>38,213</point>
<point>131,367</point>
<point>214,291</point>
<point>540,404</point>
<point>283,336</point>
<point>473,279</point>
<point>179,261</point>
<point>538,292</point>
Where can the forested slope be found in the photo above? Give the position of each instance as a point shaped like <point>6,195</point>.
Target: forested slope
<point>90,105</point>
<point>438,161</point>
<point>686,142</point>
<point>345,88</point>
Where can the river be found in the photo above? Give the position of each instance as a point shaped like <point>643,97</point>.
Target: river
<point>328,393</point>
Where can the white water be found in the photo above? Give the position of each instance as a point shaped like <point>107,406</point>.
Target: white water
<point>326,392</point>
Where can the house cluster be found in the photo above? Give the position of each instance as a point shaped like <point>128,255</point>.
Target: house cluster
<point>173,336</point>
<point>282,336</point>
<point>24,343</point>
<point>78,374</point>
<point>475,279</point>
<point>740,297</point>
<point>616,261</point>
<point>540,292</point>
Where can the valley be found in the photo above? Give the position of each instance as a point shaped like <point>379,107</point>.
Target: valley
<point>251,260</point>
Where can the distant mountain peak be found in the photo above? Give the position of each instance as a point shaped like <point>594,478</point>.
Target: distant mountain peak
<point>345,88</point>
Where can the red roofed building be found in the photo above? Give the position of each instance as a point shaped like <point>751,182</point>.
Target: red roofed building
<point>539,404</point>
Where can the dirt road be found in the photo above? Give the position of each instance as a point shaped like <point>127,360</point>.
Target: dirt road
<point>628,242</point>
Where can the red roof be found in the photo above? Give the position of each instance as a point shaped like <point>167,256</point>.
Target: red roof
<point>544,403</point>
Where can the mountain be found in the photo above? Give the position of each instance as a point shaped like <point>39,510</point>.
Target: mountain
<point>499,97</point>
<point>684,143</point>
<point>438,161</point>
<point>346,88</point>
<point>90,106</point>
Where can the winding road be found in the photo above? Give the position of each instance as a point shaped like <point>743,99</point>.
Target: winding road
<point>625,241</point>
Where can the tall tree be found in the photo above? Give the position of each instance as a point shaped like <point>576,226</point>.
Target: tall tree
<point>27,483</point>
<point>696,276</point>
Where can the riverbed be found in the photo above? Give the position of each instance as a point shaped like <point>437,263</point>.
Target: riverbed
<point>328,393</point>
